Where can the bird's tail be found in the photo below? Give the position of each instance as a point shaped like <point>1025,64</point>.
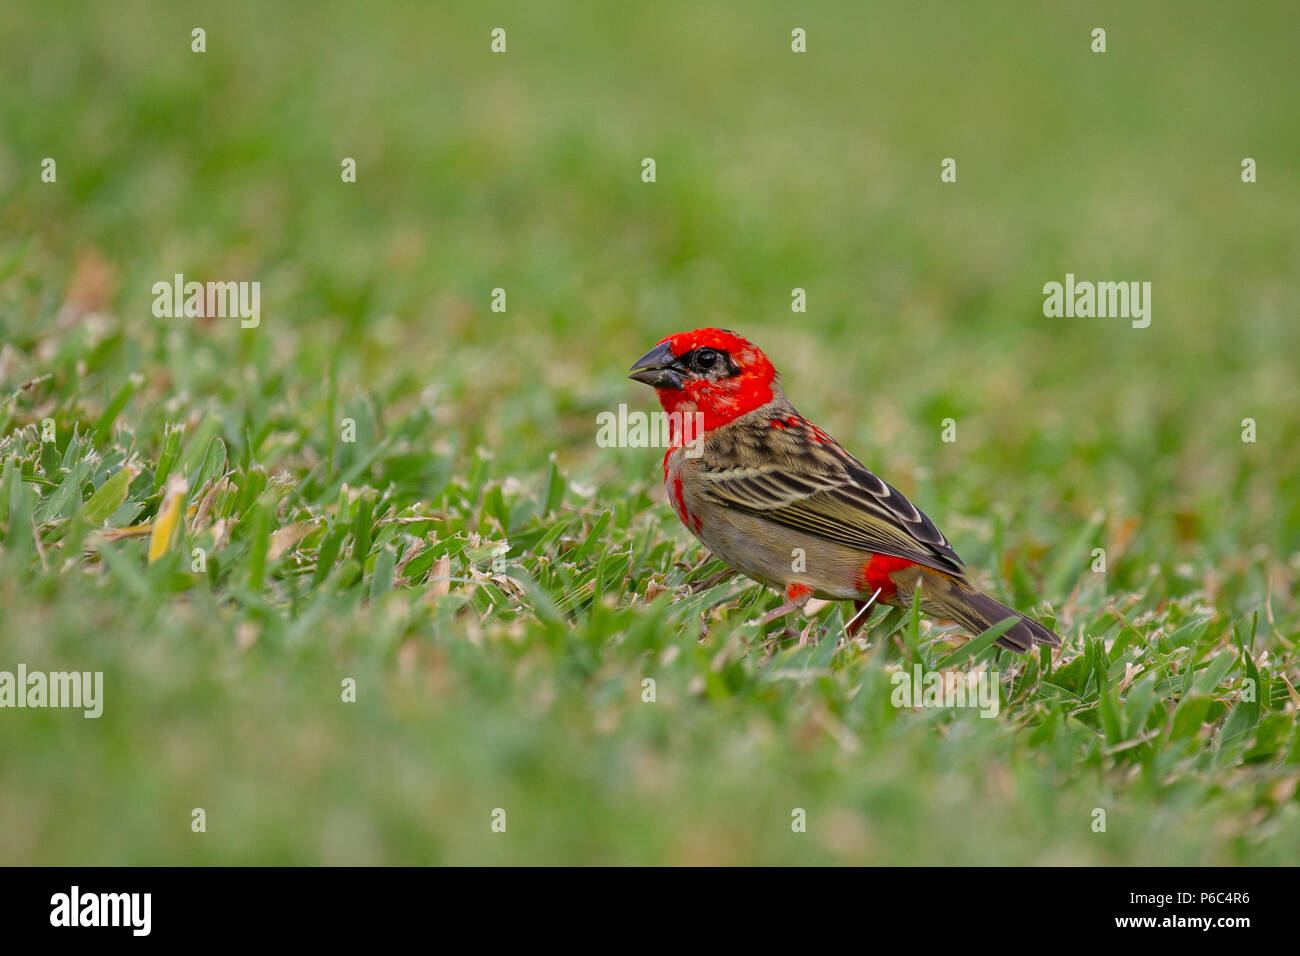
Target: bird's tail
<point>977,612</point>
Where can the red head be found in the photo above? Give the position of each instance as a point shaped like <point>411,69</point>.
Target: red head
<point>711,371</point>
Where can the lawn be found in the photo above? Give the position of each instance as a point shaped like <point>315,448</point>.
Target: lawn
<point>362,583</point>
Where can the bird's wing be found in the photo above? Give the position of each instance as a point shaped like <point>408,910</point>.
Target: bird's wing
<point>795,475</point>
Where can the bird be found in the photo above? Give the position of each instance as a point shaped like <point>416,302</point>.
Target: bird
<point>778,499</point>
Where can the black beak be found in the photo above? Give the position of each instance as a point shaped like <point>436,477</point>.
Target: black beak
<point>658,368</point>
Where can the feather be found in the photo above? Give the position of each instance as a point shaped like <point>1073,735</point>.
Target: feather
<point>774,464</point>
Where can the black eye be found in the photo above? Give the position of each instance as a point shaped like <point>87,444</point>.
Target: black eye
<point>706,360</point>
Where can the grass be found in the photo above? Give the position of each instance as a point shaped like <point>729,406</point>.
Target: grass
<point>497,585</point>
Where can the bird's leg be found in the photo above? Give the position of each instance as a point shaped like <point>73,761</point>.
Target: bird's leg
<point>796,596</point>
<point>711,580</point>
<point>860,615</point>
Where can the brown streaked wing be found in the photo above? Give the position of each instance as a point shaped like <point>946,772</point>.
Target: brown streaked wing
<point>820,489</point>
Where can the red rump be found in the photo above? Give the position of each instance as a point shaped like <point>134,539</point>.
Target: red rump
<point>875,573</point>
